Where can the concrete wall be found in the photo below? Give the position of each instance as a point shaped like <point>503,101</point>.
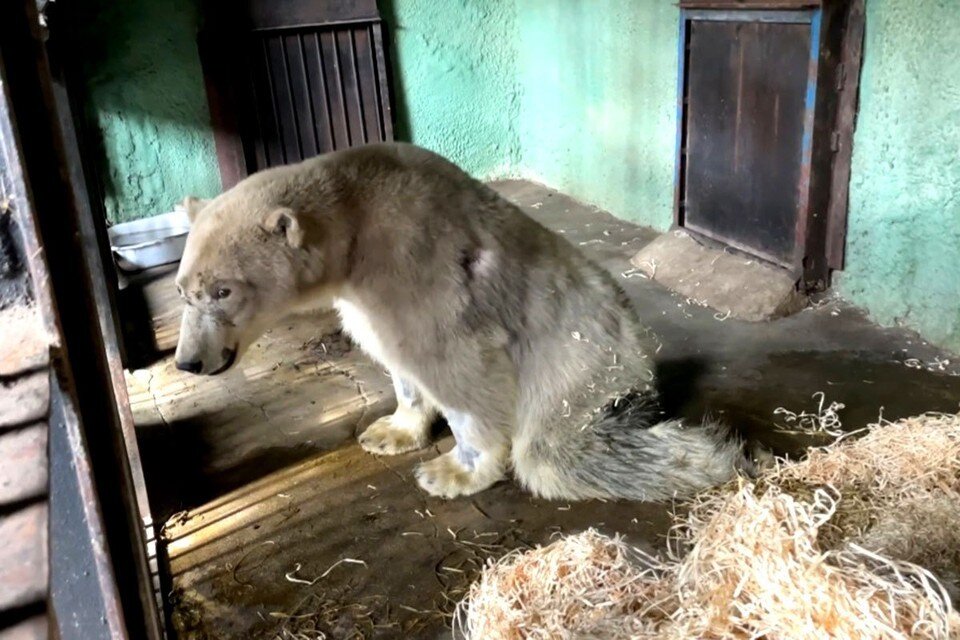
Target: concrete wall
<point>598,115</point>
<point>578,94</point>
<point>455,79</point>
<point>574,93</point>
<point>146,97</point>
<point>903,243</point>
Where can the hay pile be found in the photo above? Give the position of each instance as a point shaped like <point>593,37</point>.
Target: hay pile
<point>860,540</point>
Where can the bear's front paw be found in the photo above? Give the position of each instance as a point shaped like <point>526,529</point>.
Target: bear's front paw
<point>391,435</point>
<point>447,477</point>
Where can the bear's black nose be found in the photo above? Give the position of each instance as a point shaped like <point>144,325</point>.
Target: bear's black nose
<point>190,367</point>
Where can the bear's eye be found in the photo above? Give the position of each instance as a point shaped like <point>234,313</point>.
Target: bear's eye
<point>221,293</point>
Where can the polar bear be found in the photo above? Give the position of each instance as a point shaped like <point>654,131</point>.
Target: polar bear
<point>529,351</point>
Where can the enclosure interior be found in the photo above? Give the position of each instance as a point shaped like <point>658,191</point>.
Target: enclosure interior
<point>272,519</point>
<point>263,489</point>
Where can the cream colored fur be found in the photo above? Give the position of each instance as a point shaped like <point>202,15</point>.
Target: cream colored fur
<point>529,350</point>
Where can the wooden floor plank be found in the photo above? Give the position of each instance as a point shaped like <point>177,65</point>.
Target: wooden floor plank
<point>24,399</point>
<point>23,472</point>
<point>23,556</point>
<point>301,389</point>
<point>25,345</point>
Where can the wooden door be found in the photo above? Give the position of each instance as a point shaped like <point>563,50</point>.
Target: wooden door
<point>747,98</point>
<point>766,101</point>
<point>290,80</point>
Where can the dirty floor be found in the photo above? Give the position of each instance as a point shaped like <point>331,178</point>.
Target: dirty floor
<point>279,526</point>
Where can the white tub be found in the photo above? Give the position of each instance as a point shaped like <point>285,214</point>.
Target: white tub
<point>150,242</point>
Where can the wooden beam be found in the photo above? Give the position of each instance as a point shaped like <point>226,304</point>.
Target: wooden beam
<point>850,59</point>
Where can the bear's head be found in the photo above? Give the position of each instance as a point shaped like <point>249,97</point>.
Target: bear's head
<point>244,264</point>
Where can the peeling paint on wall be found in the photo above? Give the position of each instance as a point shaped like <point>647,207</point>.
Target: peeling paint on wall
<point>903,239</point>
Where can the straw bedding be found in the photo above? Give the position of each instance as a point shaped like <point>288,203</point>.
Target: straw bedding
<point>859,540</point>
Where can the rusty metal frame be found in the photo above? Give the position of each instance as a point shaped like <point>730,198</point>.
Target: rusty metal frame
<point>62,407</point>
<point>69,283</point>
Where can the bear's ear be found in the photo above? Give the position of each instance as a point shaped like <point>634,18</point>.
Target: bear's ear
<point>193,207</point>
<point>283,222</point>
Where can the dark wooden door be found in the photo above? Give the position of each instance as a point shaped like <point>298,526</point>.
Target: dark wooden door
<point>767,101</point>
<point>749,131</point>
<point>746,99</point>
<point>315,89</point>
<point>290,80</point>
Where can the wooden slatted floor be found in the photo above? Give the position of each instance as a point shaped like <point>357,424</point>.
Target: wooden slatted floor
<point>289,527</point>
<point>300,390</point>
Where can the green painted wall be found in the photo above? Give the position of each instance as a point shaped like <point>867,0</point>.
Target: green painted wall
<point>903,243</point>
<point>577,94</point>
<point>146,97</point>
<point>598,116</point>
<point>544,89</point>
<point>455,78</point>
<point>580,95</point>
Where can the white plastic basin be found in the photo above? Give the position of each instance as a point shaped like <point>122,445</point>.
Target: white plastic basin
<point>150,242</point>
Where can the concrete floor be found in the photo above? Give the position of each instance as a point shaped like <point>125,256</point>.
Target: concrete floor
<point>290,528</point>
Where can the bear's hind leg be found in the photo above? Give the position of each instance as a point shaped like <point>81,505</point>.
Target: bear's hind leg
<point>480,407</point>
<point>467,468</point>
<point>407,429</point>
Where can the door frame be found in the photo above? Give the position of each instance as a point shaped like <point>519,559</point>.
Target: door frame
<point>97,468</point>
<point>837,28</point>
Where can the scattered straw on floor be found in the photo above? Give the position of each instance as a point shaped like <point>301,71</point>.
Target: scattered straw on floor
<point>860,540</point>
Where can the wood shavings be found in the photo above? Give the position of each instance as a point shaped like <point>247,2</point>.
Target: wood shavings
<point>292,578</point>
<point>800,554</point>
<point>937,365</point>
<point>235,569</point>
<point>653,264</point>
<point>826,419</point>
<point>633,273</point>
